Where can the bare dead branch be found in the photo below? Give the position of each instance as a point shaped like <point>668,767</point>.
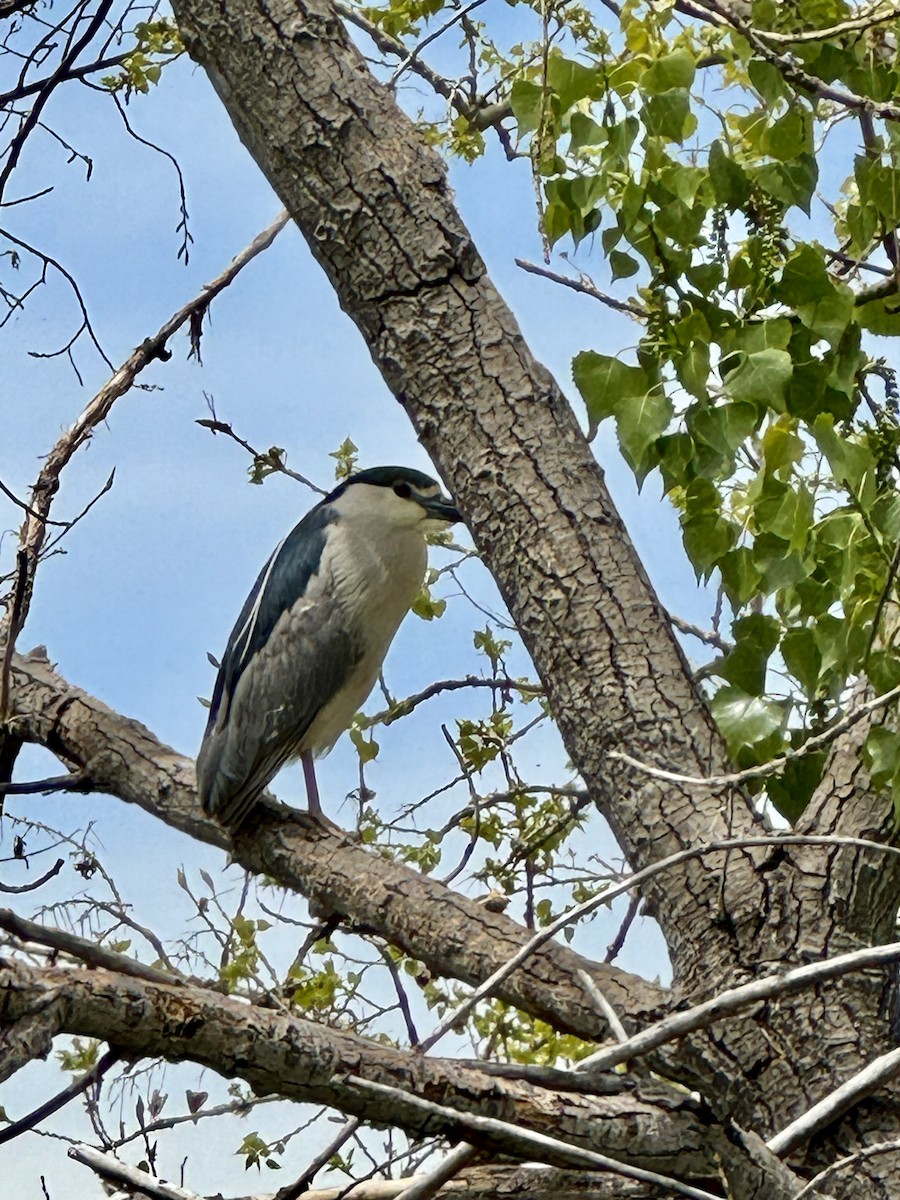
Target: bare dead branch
<point>107,1166</point>
<point>869,20</point>
<point>409,910</point>
<point>816,742</point>
<point>75,781</point>
<point>34,885</point>
<point>836,1103</point>
<point>300,1186</point>
<point>33,531</point>
<point>458,1159</point>
<point>789,66</point>
<point>413,54</point>
<point>299,1059</point>
<point>586,286</point>
<point>841,1164</point>
<point>537,1146</point>
<point>61,1099</point>
<point>402,708</point>
<point>689,1020</point>
<point>604,1007</point>
<point>81,948</point>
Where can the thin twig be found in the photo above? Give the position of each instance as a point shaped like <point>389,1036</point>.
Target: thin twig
<point>880,1071</point>
<point>710,636</point>
<point>429,1185</point>
<point>612,950</point>
<point>33,532</point>
<point>49,1107</point>
<point>31,887</point>
<point>75,781</point>
<point>585,285</point>
<point>413,55</point>
<point>772,842</point>
<point>679,1024</point>
<point>869,21</point>
<point>604,1007</point>
<point>82,949</point>
<point>108,1167</point>
<point>402,708</point>
<point>530,1144</point>
<point>299,1186</point>
<point>816,742</point>
<point>833,1168</point>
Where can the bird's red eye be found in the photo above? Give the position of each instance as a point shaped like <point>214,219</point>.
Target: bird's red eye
<point>403,490</point>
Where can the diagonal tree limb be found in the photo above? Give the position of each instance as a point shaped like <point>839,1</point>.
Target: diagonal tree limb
<point>61,1099</point>
<point>447,931</point>
<point>29,1037</point>
<point>306,1061</point>
<point>34,527</point>
<point>406,270</point>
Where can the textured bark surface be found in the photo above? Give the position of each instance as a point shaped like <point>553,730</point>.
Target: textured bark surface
<point>303,1060</point>
<point>452,934</point>
<point>375,207</point>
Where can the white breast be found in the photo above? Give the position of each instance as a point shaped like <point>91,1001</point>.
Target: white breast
<point>374,573</point>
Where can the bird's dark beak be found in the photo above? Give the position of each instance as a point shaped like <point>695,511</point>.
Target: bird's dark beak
<point>440,508</point>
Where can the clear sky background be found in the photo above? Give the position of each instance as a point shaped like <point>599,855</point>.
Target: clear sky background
<point>154,577</point>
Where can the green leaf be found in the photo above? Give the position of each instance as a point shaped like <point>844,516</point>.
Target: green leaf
<point>882,754</point>
<point>791,791</point>
<point>675,70</point>
<point>639,421</point>
<point>606,384</point>
<point>729,180</point>
<point>852,464</point>
<point>526,102</point>
<point>746,666</point>
<point>793,183</point>
<point>724,428</point>
<point>789,136</point>
<point>623,266</point>
<point>366,748</point>
<point>760,378</point>
<point>782,447</point>
<point>570,80</point>
<point>741,577</point>
<point>585,132</point>
<point>668,115</point>
<point>802,658</point>
<point>745,720</point>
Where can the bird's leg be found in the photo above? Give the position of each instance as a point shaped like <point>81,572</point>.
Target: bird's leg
<point>312,788</point>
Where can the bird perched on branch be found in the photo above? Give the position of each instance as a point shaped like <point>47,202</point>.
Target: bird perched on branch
<point>313,633</point>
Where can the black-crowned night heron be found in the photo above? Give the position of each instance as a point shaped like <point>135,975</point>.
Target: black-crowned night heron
<point>313,633</point>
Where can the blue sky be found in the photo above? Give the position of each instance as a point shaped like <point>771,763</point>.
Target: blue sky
<point>154,577</point>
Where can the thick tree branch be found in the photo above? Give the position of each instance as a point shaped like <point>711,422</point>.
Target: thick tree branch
<point>406,270</point>
<point>306,1061</point>
<point>450,933</point>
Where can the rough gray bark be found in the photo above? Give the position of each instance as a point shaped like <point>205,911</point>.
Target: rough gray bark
<point>452,934</point>
<point>406,271</point>
<point>374,205</point>
<point>377,213</point>
<point>302,1060</point>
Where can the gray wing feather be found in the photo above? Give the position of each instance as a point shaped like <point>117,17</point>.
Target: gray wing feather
<point>308,656</point>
